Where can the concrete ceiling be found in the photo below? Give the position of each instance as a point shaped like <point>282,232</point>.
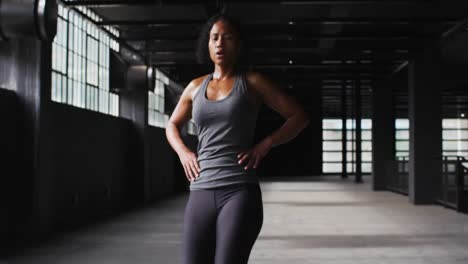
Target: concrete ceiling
<point>309,47</point>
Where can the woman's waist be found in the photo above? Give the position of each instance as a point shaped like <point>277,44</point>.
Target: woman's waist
<point>219,156</point>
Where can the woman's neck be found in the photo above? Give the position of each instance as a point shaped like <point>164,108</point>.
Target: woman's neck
<point>223,72</point>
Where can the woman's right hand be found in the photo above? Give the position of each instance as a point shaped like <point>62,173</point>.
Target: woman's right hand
<point>190,163</point>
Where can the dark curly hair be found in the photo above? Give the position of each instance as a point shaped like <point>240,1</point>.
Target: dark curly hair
<point>202,52</point>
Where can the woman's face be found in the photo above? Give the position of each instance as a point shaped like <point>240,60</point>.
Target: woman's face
<point>224,44</point>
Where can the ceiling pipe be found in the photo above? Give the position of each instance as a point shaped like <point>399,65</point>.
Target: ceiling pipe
<point>28,18</point>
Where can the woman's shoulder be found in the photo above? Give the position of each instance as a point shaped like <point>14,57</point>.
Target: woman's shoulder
<point>253,77</point>
<point>195,84</point>
<point>198,80</point>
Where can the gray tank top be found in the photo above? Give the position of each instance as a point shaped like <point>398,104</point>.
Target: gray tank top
<point>225,127</point>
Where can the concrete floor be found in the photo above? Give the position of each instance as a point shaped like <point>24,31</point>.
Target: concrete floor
<point>317,221</point>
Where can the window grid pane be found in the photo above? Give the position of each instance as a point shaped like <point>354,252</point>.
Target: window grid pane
<point>80,62</point>
<point>156,116</point>
<point>332,145</point>
<point>454,137</point>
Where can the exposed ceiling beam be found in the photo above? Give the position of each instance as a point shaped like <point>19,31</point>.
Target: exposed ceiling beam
<point>104,3</point>
<point>297,22</point>
<point>460,26</point>
<point>285,2</point>
<point>160,34</point>
<point>245,11</point>
<point>400,67</point>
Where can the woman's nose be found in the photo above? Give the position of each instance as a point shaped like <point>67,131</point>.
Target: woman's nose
<point>219,42</point>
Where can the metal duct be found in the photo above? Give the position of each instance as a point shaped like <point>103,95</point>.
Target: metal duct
<point>118,73</point>
<point>28,18</point>
<point>141,77</point>
<point>125,78</point>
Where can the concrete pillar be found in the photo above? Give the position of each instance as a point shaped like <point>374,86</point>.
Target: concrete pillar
<point>358,117</point>
<point>25,67</point>
<point>134,106</point>
<point>425,118</point>
<point>383,132</point>
<point>344,154</point>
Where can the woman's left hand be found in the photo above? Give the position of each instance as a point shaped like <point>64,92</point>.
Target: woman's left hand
<point>255,154</point>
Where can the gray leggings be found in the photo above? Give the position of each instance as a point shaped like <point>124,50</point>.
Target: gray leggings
<point>222,224</point>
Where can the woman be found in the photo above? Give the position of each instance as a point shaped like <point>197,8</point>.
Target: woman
<point>224,212</point>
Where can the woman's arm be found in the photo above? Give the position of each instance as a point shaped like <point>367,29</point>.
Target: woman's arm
<point>296,118</point>
<point>181,114</point>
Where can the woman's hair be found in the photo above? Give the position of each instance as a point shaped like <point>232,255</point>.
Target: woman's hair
<point>202,51</point>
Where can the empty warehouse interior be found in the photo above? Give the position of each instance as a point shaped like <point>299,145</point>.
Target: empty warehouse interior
<point>378,176</point>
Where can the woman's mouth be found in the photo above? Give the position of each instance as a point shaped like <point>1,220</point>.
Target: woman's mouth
<point>219,54</point>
